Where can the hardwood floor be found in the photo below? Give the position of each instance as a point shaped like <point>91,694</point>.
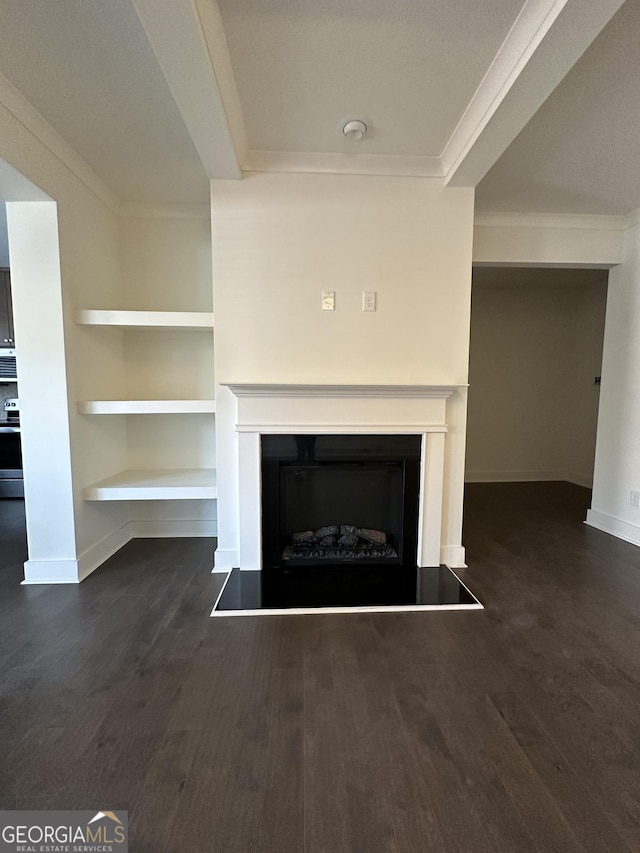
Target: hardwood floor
<point>516,728</point>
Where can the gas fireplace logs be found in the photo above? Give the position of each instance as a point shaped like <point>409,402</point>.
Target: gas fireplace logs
<point>339,542</point>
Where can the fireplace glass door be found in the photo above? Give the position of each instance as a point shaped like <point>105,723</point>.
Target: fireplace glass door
<point>339,499</point>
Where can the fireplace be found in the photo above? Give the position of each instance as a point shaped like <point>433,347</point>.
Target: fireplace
<point>357,460</point>
<point>332,499</point>
<point>302,419</point>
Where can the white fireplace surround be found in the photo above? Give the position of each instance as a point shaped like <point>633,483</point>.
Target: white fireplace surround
<point>341,409</point>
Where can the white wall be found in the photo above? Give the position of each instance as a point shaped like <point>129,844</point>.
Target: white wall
<point>67,537</point>
<point>9,389</point>
<point>93,260</point>
<point>166,260</point>
<point>279,240</point>
<point>4,240</point>
<point>617,466</point>
<point>536,346</point>
<point>166,266</point>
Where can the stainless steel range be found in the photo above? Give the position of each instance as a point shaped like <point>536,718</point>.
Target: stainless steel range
<point>11,485</point>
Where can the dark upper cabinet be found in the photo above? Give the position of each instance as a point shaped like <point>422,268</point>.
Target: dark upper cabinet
<point>6,311</point>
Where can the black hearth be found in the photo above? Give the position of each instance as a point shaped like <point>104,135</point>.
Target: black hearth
<point>340,499</point>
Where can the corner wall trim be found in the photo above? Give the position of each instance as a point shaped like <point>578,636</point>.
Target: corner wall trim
<point>614,526</point>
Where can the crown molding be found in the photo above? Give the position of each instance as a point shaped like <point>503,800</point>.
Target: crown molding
<point>582,222</point>
<point>39,127</point>
<point>342,164</point>
<point>631,219</point>
<point>547,38</point>
<point>137,210</point>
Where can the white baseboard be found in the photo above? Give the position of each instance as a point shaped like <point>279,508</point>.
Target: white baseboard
<point>579,479</point>
<point>225,559</point>
<point>182,528</point>
<point>615,526</point>
<point>97,554</point>
<point>50,571</point>
<point>453,556</point>
<point>74,571</point>
<point>512,476</point>
<point>528,477</point>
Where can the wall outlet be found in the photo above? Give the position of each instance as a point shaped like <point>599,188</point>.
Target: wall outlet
<point>328,300</point>
<point>634,500</point>
<point>368,300</point>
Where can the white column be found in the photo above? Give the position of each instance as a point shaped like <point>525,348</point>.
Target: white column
<point>430,513</point>
<point>37,303</point>
<point>250,500</point>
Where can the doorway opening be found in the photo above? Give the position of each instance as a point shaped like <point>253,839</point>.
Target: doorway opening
<point>534,374</point>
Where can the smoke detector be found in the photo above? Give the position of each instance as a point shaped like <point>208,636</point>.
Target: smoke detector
<point>354,129</point>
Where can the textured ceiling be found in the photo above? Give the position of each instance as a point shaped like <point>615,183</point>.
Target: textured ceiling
<point>579,153</point>
<point>87,67</point>
<point>408,67</point>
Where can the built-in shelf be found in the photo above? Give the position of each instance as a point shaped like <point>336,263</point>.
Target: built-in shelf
<point>146,319</point>
<point>145,407</point>
<point>163,484</point>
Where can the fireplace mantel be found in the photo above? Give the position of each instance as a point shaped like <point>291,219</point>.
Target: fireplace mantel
<point>291,408</point>
<point>247,389</point>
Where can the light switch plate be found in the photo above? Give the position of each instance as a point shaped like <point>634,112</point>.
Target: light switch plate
<point>328,300</point>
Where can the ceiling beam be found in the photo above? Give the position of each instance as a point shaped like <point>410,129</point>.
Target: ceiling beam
<point>186,37</point>
<point>547,39</point>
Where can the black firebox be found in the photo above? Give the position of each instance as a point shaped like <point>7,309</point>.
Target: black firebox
<point>340,499</point>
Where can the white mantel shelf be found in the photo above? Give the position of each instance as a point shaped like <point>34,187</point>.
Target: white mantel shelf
<point>242,389</point>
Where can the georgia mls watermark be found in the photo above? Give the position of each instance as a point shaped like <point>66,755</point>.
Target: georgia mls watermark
<point>64,832</point>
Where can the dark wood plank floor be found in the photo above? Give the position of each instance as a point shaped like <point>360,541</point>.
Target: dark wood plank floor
<point>512,729</point>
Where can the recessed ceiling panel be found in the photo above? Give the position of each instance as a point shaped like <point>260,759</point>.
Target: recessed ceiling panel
<point>579,153</point>
<point>407,67</point>
<point>87,67</point>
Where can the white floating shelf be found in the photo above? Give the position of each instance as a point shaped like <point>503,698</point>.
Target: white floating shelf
<point>146,319</point>
<point>163,484</point>
<point>145,407</point>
